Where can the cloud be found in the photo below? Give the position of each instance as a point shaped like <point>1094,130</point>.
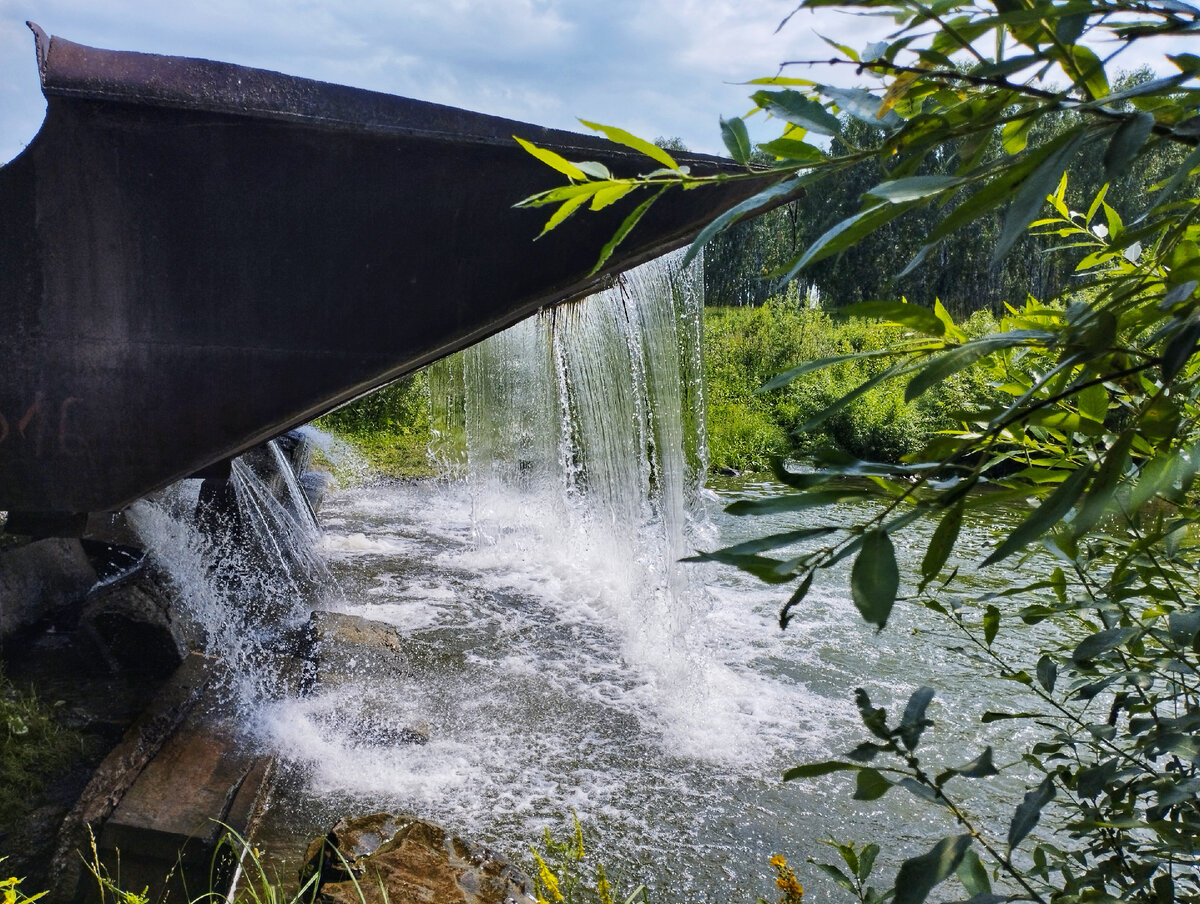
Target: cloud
<point>655,67</point>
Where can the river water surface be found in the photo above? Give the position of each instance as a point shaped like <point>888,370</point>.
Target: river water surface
<point>552,680</point>
<point>562,660</point>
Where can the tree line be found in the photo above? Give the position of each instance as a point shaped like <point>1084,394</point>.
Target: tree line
<point>742,264</point>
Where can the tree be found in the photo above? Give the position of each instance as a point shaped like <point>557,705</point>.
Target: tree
<point>972,109</point>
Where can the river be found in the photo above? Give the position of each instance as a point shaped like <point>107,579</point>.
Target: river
<point>562,660</point>
<point>552,681</point>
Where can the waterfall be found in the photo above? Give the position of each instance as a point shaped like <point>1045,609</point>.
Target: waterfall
<point>243,571</point>
<point>580,433</point>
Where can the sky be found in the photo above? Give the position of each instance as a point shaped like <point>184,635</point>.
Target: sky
<point>657,68</point>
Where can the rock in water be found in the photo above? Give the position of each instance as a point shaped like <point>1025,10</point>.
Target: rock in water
<point>348,648</point>
<point>412,862</point>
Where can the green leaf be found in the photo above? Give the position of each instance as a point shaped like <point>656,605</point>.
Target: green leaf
<point>921,790</point>
<point>624,229</point>
<point>553,160</point>
<point>770,195</point>
<point>736,138</point>
<point>862,105</point>
<point>965,355</point>
<point>980,767</point>
<point>785,614</point>
<point>1102,642</point>
<point>991,624</point>
<point>1047,673</point>
<point>873,717</point>
<point>1093,402</point>
<point>993,716</point>
<point>764,568</point>
<point>973,874</point>
<point>913,722</point>
<point>1030,811</point>
<point>1015,135</point>
<point>912,316</point>
<point>865,752</point>
<point>799,110</point>
<point>1127,141</point>
<point>913,188</point>
<point>844,234</point>
<point>941,544</point>
<point>1187,62</point>
<point>1180,348</point>
<point>792,149</point>
<point>595,170</point>
<point>866,861</point>
<point>815,770</point>
<point>612,194</point>
<point>951,328</point>
<point>836,875</point>
<point>844,49</point>
<point>856,393</point>
<point>620,136</point>
<point>1091,71</point>
<point>870,785</point>
<point>920,875</point>
<point>800,370</point>
<point>1032,195</point>
<point>794,502</point>
<point>875,579</point>
<point>567,208</point>
<point>1045,516</point>
<point>1100,494</point>
<point>771,541</point>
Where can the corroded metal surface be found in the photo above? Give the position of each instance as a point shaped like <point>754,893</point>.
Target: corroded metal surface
<point>197,256</point>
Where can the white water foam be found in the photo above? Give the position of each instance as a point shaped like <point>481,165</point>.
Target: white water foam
<point>244,573</point>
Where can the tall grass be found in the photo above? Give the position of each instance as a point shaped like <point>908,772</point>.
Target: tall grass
<point>34,747</point>
<point>746,346</point>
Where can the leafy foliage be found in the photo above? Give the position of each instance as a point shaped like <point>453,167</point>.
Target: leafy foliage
<point>389,426</point>
<point>976,113</point>
<point>746,346</point>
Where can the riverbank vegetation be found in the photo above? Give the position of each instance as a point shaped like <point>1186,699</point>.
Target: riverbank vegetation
<point>389,427</point>
<point>746,346</point>
<point>35,746</point>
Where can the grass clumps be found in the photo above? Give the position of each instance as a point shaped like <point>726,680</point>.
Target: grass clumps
<point>34,747</point>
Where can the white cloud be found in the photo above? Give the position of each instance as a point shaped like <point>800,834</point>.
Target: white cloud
<point>652,66</point>
<point>655,67</point>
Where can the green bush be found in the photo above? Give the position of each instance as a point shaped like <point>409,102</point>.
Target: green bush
<point>746,346</point>
<point>390,427</point>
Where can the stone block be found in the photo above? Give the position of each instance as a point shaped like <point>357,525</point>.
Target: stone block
<point>404,860</point>
<point>39,580</point>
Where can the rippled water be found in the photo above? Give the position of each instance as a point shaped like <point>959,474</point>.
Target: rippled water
<point>547,689</point>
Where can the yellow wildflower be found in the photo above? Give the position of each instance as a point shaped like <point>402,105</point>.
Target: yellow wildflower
<point>548,879</point>
<point>603,889</point>
<point>786,882</point>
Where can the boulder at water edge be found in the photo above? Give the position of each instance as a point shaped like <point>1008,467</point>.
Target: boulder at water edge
<point>412,861</point>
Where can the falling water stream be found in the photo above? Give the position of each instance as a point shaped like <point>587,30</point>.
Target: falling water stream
<point>562,660</point>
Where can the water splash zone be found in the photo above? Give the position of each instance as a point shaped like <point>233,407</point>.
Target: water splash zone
<point>557,657</point>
